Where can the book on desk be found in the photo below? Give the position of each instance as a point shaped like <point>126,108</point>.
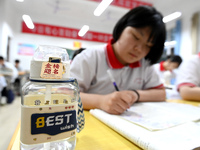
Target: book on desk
<point>157,125</point>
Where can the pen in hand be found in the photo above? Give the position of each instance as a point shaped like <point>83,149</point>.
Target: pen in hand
<point>113,80</point>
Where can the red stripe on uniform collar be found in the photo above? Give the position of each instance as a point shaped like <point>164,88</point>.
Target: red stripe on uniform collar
<point>113,61</point>
<point>162,66</point>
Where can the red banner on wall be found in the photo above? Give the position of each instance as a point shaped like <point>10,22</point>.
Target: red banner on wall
<point>63,32</point>
<point>127,3</point>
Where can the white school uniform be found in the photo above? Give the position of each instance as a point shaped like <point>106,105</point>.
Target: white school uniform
<point>3,83</point>
<point>159,68</point>
<point>11,67</point>
<point>165,75</point>
<point>90,69</point>
<point>189,72</point>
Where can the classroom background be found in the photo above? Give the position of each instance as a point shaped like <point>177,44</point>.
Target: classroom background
<point>57,23</point>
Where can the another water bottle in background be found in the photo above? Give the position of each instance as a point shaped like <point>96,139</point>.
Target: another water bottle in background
<point>49,103</point>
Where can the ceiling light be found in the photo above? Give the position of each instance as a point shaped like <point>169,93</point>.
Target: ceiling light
<point>20,0</point>
<point>171,17</point>
<point>101,7</point>
<point>170,43</point>
<point>83,30</point>
<point>28,21</point>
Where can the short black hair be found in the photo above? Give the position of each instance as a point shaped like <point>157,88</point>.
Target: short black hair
<point>17,61</point>
<point>145,16</point>
<point>176,59</point>
<point>1,58</point>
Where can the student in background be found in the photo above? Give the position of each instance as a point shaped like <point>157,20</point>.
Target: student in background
<point>138,42</point>
<point>188,78</point>
<point>3,82</point>
<point>17,65</point>
<point>21,73</point>
<point>6,67</point>
<point>165,69</point>
<point>10,73</point>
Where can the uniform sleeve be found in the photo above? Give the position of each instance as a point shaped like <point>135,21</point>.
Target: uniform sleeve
<point>188,73</point>
<point>152,79</point>
<point>83,69</point>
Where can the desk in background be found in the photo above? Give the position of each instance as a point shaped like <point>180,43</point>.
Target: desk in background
<point>96,135</point>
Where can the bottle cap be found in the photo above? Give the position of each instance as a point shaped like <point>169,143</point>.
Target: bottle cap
<point>50,63</point>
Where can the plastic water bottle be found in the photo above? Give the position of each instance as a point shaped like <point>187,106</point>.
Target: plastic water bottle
<point>49,103</point>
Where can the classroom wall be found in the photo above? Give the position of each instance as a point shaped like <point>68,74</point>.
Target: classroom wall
<point>10,25</point>
<point>186,19</point>
<point>198,37</point>
<point>14,21</point>
<point>38,40</point>
<point>2,21</point>
<point>185,47</point>
<point>186,43</point>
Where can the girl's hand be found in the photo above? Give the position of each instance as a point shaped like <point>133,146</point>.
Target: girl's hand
<point>118,102</point>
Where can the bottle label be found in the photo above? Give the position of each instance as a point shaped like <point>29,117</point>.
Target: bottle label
<point>53,123</point>
<point>47,123</point>
<point>51,70</point>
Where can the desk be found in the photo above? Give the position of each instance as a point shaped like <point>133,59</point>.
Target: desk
<point>6,72</point>
<point>96,135</point>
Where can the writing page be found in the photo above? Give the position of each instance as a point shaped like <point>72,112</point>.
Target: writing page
<point>161,115</point>
<point>184,137</point>
<point>134,133</point>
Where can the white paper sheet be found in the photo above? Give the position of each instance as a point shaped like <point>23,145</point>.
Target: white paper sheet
<point>161,115</point>
<point>185,136</point>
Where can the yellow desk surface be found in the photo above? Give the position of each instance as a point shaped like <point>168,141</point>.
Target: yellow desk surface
<point>96,135</point>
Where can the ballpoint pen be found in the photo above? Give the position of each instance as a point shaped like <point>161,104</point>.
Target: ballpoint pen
<point>115,85</point>
<point>113,80</point>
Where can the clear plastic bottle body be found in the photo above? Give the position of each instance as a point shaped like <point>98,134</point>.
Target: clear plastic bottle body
<point>45,95</point>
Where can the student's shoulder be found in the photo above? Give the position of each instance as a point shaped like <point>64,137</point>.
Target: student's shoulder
<point>157,65</point>
<point>94,50</point>
<point>192,59</point>
<point>145,63</point>
<point>90,52</point>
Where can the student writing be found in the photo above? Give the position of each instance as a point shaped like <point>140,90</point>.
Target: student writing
<point>138,42</point>
<point>165,69</point>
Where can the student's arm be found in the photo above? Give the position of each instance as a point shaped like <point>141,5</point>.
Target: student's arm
<point>118,102</point>
<point>113,103</point>
<point>20,73</point>
<point>152,95</point>
<point>190,93</point>
<point>188,79</point>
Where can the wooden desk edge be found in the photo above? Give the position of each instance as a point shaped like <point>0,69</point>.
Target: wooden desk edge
<point>14,137</point>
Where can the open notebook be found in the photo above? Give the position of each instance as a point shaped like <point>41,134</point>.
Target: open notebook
<point>157,125</point>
